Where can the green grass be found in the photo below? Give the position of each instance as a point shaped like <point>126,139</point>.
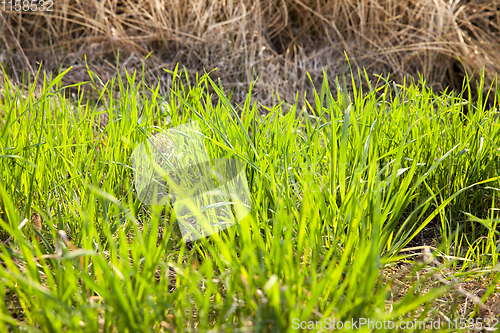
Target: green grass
<point>338,190</point>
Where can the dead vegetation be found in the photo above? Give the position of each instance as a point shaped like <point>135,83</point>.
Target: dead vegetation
<point>277,40</point>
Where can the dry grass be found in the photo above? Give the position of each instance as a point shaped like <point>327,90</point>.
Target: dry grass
<point>279,39</point>
<point>464,295</point>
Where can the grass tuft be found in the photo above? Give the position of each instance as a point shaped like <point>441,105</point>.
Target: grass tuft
<point>345,193</point>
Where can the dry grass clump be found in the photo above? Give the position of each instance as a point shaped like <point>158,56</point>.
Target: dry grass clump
<point>279,40</point>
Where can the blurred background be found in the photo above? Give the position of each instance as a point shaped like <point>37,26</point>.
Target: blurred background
<point>280,41</point>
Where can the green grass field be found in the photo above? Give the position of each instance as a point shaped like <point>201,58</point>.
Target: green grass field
<point>345,195</point>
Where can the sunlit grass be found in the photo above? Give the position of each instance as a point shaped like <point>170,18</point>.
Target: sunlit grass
<point>339,189</point>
